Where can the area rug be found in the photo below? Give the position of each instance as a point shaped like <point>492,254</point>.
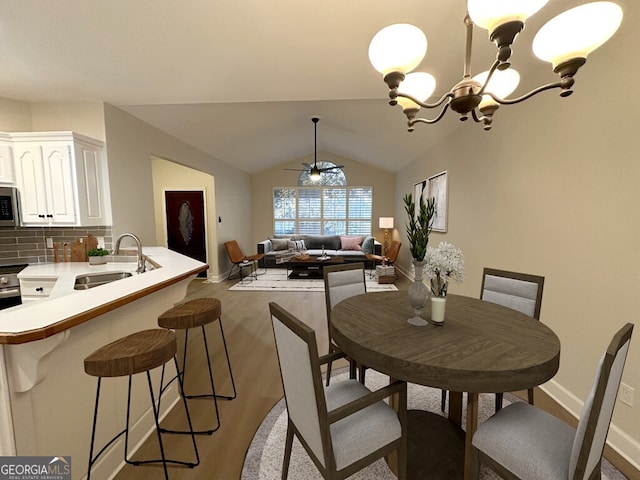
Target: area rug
<point>275,279</point>
<point>264,457</point>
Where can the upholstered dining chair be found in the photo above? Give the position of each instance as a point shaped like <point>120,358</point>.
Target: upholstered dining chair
<point>341,282</point>
<point>390,258</point>
<point>343,427</point>
<point>523,442</point>
<point>518,291</point>
<point>240,260</point>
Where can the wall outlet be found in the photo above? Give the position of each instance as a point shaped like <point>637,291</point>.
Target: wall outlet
<point>49,242</point>
<point>626,394</point>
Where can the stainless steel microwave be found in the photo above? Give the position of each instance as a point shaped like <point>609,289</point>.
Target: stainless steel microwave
<point>9,212</point>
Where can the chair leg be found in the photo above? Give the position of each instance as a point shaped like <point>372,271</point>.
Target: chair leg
<point>475,464</point>
<point>498,401</point>
<point>329,366</point>
<point>287,451</point>
<point>93,430</point>
<point>530,395</point>
<point>443,400</point>
<point>363,369</point>
<point>226,352</point>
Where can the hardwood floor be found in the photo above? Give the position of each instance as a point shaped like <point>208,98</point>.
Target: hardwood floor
<point>247,328</point>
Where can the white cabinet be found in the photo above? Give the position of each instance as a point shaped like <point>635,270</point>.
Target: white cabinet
<point>6,161</point>
<point>62,179</point>
<point>36,288</point>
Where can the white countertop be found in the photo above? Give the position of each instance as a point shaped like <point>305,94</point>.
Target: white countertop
<point>65,302</point>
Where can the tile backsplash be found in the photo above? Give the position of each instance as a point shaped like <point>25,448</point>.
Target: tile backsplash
<point>29,245</point>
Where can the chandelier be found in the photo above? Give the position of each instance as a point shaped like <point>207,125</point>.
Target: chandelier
<point>565,41</point>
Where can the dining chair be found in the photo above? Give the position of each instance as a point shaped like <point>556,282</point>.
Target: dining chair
<point>341,282</point>
<point>240,260</point>
<point>518,291</point>
<point>523,442</point>
<point>343,427</point>
<point>389,259</point>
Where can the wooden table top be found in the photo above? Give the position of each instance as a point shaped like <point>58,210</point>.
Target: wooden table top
<point>314,260</point>
<point>482,347</point>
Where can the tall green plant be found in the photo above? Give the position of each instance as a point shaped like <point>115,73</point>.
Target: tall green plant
<point>419,226</point>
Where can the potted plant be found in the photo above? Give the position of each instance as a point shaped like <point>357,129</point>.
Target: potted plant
<point>418,230</point>
<point>97,256</point>
<point>443,264</point>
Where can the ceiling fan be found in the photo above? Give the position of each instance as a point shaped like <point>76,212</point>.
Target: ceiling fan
<point>316,172</point>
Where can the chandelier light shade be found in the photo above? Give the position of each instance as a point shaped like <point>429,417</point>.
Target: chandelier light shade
<point>397,48</point>
<point>490,14</point>
<point>565,42</point>
<point>577,32</point>
<point>419,85</point>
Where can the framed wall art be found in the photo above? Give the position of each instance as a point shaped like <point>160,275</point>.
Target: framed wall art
<point>435,186</point>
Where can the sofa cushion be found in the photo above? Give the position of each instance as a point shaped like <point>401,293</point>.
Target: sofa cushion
<point>329,242</point>
<point>368,244</point>
<point>279,243</point>
<point>351,242</point>
<point>296,245</point>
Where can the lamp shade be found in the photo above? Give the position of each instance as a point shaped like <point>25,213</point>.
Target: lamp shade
<point>385,222</point>
<point>502,84</point>
<point>419,85</point>
<point>577,32</point>
<point>397,48</point>
<point>489,14</point>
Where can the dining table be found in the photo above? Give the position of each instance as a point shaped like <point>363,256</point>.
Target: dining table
<point>481,347</point>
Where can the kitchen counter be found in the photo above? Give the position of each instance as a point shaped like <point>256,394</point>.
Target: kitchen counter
<point>40,319</point>
<point>43,344</point>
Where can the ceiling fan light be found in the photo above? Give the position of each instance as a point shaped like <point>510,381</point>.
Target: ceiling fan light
<point>397,48</point>
<point>577,32</point>
<point>489,14</point>
<point>419,85</point>
<point>314,175</point>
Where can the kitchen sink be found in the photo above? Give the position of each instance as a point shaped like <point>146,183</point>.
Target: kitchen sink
<point>90,280</point>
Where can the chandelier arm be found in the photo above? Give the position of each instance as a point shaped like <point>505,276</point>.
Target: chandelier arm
<point>491,71</point>
<point>476,118</point>
<point>430,121</point>
<point>444,98</point>
<point>526,96</point>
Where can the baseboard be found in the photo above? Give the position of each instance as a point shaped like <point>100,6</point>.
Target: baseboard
<point>617,439</point>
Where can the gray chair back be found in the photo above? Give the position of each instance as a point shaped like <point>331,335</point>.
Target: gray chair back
<point>342,282</point>
<point>519,291</point>
<point>300,370</point>
<point>597,411</point>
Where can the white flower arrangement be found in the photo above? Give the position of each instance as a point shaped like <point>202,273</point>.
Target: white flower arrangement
<point>443,264</point>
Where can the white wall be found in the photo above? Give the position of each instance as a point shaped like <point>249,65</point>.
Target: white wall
<point>553,190</point>
<point>131,144</point>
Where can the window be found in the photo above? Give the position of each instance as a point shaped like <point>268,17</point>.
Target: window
<point>322,210</point>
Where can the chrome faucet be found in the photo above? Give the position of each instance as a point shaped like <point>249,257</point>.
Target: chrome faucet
<point>116,250</point>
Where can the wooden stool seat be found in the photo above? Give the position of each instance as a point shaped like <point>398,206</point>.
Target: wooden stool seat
<point>139,352</point>
<point>194,313</point>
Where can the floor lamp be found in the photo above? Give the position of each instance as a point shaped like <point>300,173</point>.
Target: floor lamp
<point>385,223</point>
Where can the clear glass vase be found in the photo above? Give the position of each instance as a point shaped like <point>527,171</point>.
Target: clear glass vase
<point>418,293</point>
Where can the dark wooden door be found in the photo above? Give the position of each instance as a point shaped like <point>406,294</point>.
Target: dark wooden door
<point>185,224</point>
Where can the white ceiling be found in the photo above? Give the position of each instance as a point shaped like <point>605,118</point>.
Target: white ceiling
<point>241,80</point>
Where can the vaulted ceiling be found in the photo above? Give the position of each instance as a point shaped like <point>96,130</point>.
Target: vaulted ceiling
<point>241,80</point>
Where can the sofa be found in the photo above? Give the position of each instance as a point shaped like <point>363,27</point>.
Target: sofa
<point>350,247</point>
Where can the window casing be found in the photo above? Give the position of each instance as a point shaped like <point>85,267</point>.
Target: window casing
<point>322,210</point>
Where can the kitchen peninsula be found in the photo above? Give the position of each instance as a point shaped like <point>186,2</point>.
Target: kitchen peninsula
<point>46,399</point>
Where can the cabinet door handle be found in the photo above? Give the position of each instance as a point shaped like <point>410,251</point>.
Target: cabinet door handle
<point>40,216</point>
<point>39,289</point>
<point>49,215</point>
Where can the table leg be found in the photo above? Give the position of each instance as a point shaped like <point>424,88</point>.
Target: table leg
<point>392,458</point>
<point>472,425</point>
<point>455,408</point>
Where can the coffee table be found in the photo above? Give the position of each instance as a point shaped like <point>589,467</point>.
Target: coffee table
<point>310,267</point>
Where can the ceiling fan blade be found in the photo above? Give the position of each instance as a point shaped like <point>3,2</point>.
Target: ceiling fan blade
<point>296,169</point>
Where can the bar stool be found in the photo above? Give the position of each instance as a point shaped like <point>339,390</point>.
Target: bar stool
<point>139,352</point>
<point>192,314</point>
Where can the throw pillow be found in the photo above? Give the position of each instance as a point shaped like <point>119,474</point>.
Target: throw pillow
<point>279,243</point>
<point>296,245</point>
<point>351,242</point>
<point>367,244</point>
